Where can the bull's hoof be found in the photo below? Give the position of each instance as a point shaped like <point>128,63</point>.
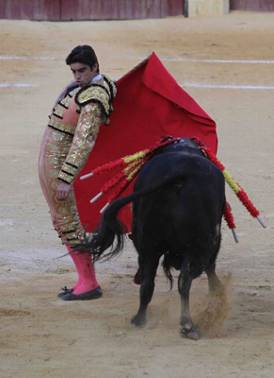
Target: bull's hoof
<point>138,320</point>
<point>190,332</point>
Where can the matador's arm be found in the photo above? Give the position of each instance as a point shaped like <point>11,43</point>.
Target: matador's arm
<point>90,119</point>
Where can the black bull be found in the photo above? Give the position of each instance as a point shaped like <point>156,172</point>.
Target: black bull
<point>178,203</point>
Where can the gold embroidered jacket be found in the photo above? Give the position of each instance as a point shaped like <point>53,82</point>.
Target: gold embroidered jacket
<point>95,105</point>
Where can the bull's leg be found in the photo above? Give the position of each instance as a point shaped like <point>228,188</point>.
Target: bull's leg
<point>139,274</point>
<point>148,267</point>
<point>214,284</point>
<point>184,284</point>
<point>138,277</point>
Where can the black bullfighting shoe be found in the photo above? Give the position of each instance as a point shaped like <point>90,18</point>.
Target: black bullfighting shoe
<point>92,294</point>
<point>64,291</point>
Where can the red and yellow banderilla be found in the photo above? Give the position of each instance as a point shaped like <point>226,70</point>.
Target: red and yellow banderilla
<point>130,166</point>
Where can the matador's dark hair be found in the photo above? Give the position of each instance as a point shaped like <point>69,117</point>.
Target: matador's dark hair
<point>82,54</point>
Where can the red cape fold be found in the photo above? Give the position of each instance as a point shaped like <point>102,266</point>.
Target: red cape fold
<point>149,105</point>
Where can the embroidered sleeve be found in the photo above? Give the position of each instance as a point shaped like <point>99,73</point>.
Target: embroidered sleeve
<point>83,141</point>
<point>95,93</point>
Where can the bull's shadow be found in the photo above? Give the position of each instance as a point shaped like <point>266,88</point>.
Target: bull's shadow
<point>178,204</point>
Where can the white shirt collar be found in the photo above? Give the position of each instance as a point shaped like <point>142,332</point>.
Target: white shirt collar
<point>96,78</point>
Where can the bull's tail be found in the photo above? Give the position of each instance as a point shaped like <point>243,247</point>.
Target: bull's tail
<point>111,228</point>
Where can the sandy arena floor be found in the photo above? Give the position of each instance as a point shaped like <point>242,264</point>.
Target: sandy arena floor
<point>41,336</point>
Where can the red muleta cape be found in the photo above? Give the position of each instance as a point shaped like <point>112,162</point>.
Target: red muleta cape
<point>149,105</point>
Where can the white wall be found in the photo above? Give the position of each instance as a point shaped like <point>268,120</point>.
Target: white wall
<point>207,7</point>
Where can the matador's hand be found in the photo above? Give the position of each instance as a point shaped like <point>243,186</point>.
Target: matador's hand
<point>62,191</point>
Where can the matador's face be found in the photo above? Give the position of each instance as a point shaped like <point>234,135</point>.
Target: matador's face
<point>83,74</point>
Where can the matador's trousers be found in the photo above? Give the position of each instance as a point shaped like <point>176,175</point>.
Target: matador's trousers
<point>64,214</point>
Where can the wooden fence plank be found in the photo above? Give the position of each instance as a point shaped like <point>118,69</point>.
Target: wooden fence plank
<point>89,9</point>
<point>119,9</point>
<point>252,5</point>
<point>30,10</point>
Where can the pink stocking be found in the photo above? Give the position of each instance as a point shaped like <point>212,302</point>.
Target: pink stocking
<point>85,269</point>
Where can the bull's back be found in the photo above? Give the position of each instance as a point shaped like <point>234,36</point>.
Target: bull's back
<point>177,167</point>
<point>189,199</point>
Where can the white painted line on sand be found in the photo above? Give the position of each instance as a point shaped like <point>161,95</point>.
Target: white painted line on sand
<point>209,61</point>
<point>218,61</point>
<point>17,85</point>
<point>26,57</point>
<point>184,85</point>
<point>6,222</point>
<point>229,86</point>
<point>164,58</point>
